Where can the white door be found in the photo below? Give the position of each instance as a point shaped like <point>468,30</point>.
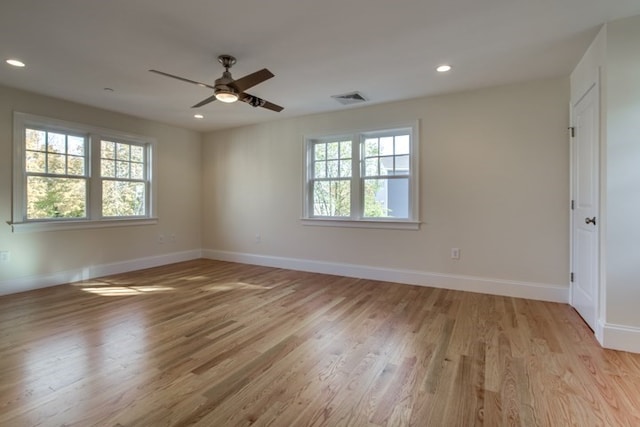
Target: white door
<point>585,206</point>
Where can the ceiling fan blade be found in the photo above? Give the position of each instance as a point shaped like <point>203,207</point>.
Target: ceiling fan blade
<point>205,101</point>
<point>162,73</point>
<point>254,101</point>
<point>271,106</point>
<point>250,80</point>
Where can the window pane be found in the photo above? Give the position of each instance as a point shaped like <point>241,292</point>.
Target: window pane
<point>137,171</point>
<point>320,151</point>
<point>386,146</point>
<point>345,168</point>
<point>35,140</point>
<point>56,197</point>
<point>121,198</point>
<point>332,198</point>
<point>56,164</point>
<point>345,150</point>
<point>386,165</point>
<point>108,150</point>
<point>320,170</point>
<point>371,147</point>
<point>333,150</point>
<point>333,170</point>
<point>108,168</point>
<point>75,145</point>
<point>56,143</point>
<point>371,167</point>
<point>137,153</point>
<point>123,151</point>
<point>402,164</point>
<point>36,161</point>
<point>386,198</point>
<point>122,169</point>
<point>75,165</point>
<point>402,144</point>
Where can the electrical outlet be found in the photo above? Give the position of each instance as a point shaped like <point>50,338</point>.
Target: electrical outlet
<point>172,237</point>
<point>455,253</point>
<point>161,238</point>
<point>258,238</point>
<point>4,256</point>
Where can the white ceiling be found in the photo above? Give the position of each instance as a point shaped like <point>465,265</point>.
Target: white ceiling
<point>385,49</point>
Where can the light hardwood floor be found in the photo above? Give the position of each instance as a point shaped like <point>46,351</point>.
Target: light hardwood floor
<point>219,344</point>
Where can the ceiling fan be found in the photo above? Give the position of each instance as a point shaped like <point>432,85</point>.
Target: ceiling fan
<point>226,89</point>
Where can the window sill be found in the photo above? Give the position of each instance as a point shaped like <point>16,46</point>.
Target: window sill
<point>363,223</point>
<point>27,227</point>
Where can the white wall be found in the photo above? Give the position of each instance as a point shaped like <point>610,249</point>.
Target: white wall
<point>494,183</point>
<point>46,258</point>
<point>623,173</point>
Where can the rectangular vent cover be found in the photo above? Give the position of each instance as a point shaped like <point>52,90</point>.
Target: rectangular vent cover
<point>350,98</point>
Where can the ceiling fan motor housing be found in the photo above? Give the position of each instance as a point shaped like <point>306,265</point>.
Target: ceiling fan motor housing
<point>224,84</point>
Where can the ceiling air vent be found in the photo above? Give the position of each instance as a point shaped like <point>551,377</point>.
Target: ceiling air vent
<point>350,98</point>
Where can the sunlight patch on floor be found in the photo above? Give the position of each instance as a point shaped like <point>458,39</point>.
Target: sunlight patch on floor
<point>115,291</point>
<point>233,286</point>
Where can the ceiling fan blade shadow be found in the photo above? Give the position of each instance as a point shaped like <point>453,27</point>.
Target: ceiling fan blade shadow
<point>205,101</point>
<point>250,80</point>
<point>254,101</point>
<point>162,73</point>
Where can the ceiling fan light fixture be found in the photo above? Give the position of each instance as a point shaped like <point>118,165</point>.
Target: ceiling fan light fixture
<point>227,97</point>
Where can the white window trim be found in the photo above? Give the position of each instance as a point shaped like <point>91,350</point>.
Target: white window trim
<point>94,218</point>
<point>356,220</point>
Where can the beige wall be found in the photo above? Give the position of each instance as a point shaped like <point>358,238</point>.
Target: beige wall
<point>494,182</point>
<point>179,202</point>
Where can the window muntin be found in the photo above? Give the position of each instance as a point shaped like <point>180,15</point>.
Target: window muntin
<point>363,177</point>
<point>65,178</point>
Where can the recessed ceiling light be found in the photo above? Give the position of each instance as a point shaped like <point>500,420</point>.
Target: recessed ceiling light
<point>198,116</point>
<point>15,62</point>
<point>108,89</point>
<point>443,68</point>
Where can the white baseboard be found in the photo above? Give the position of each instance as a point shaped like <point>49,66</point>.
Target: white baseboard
<point>618,337</point>
<point>536,291</point>
<point>43,281</point>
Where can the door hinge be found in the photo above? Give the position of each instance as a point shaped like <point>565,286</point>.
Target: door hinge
<point>572,129</point>
<point>571,277</point>
<point>573,204</point>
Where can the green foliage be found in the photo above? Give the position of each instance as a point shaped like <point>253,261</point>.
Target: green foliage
<point>55,198</point>
<point>122,198</point>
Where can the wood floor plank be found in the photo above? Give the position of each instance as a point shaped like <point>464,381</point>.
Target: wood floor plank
<point>209,343</point>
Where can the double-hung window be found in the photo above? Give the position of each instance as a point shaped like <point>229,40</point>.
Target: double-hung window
<point>70,175</point>
<point>363,179</point>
